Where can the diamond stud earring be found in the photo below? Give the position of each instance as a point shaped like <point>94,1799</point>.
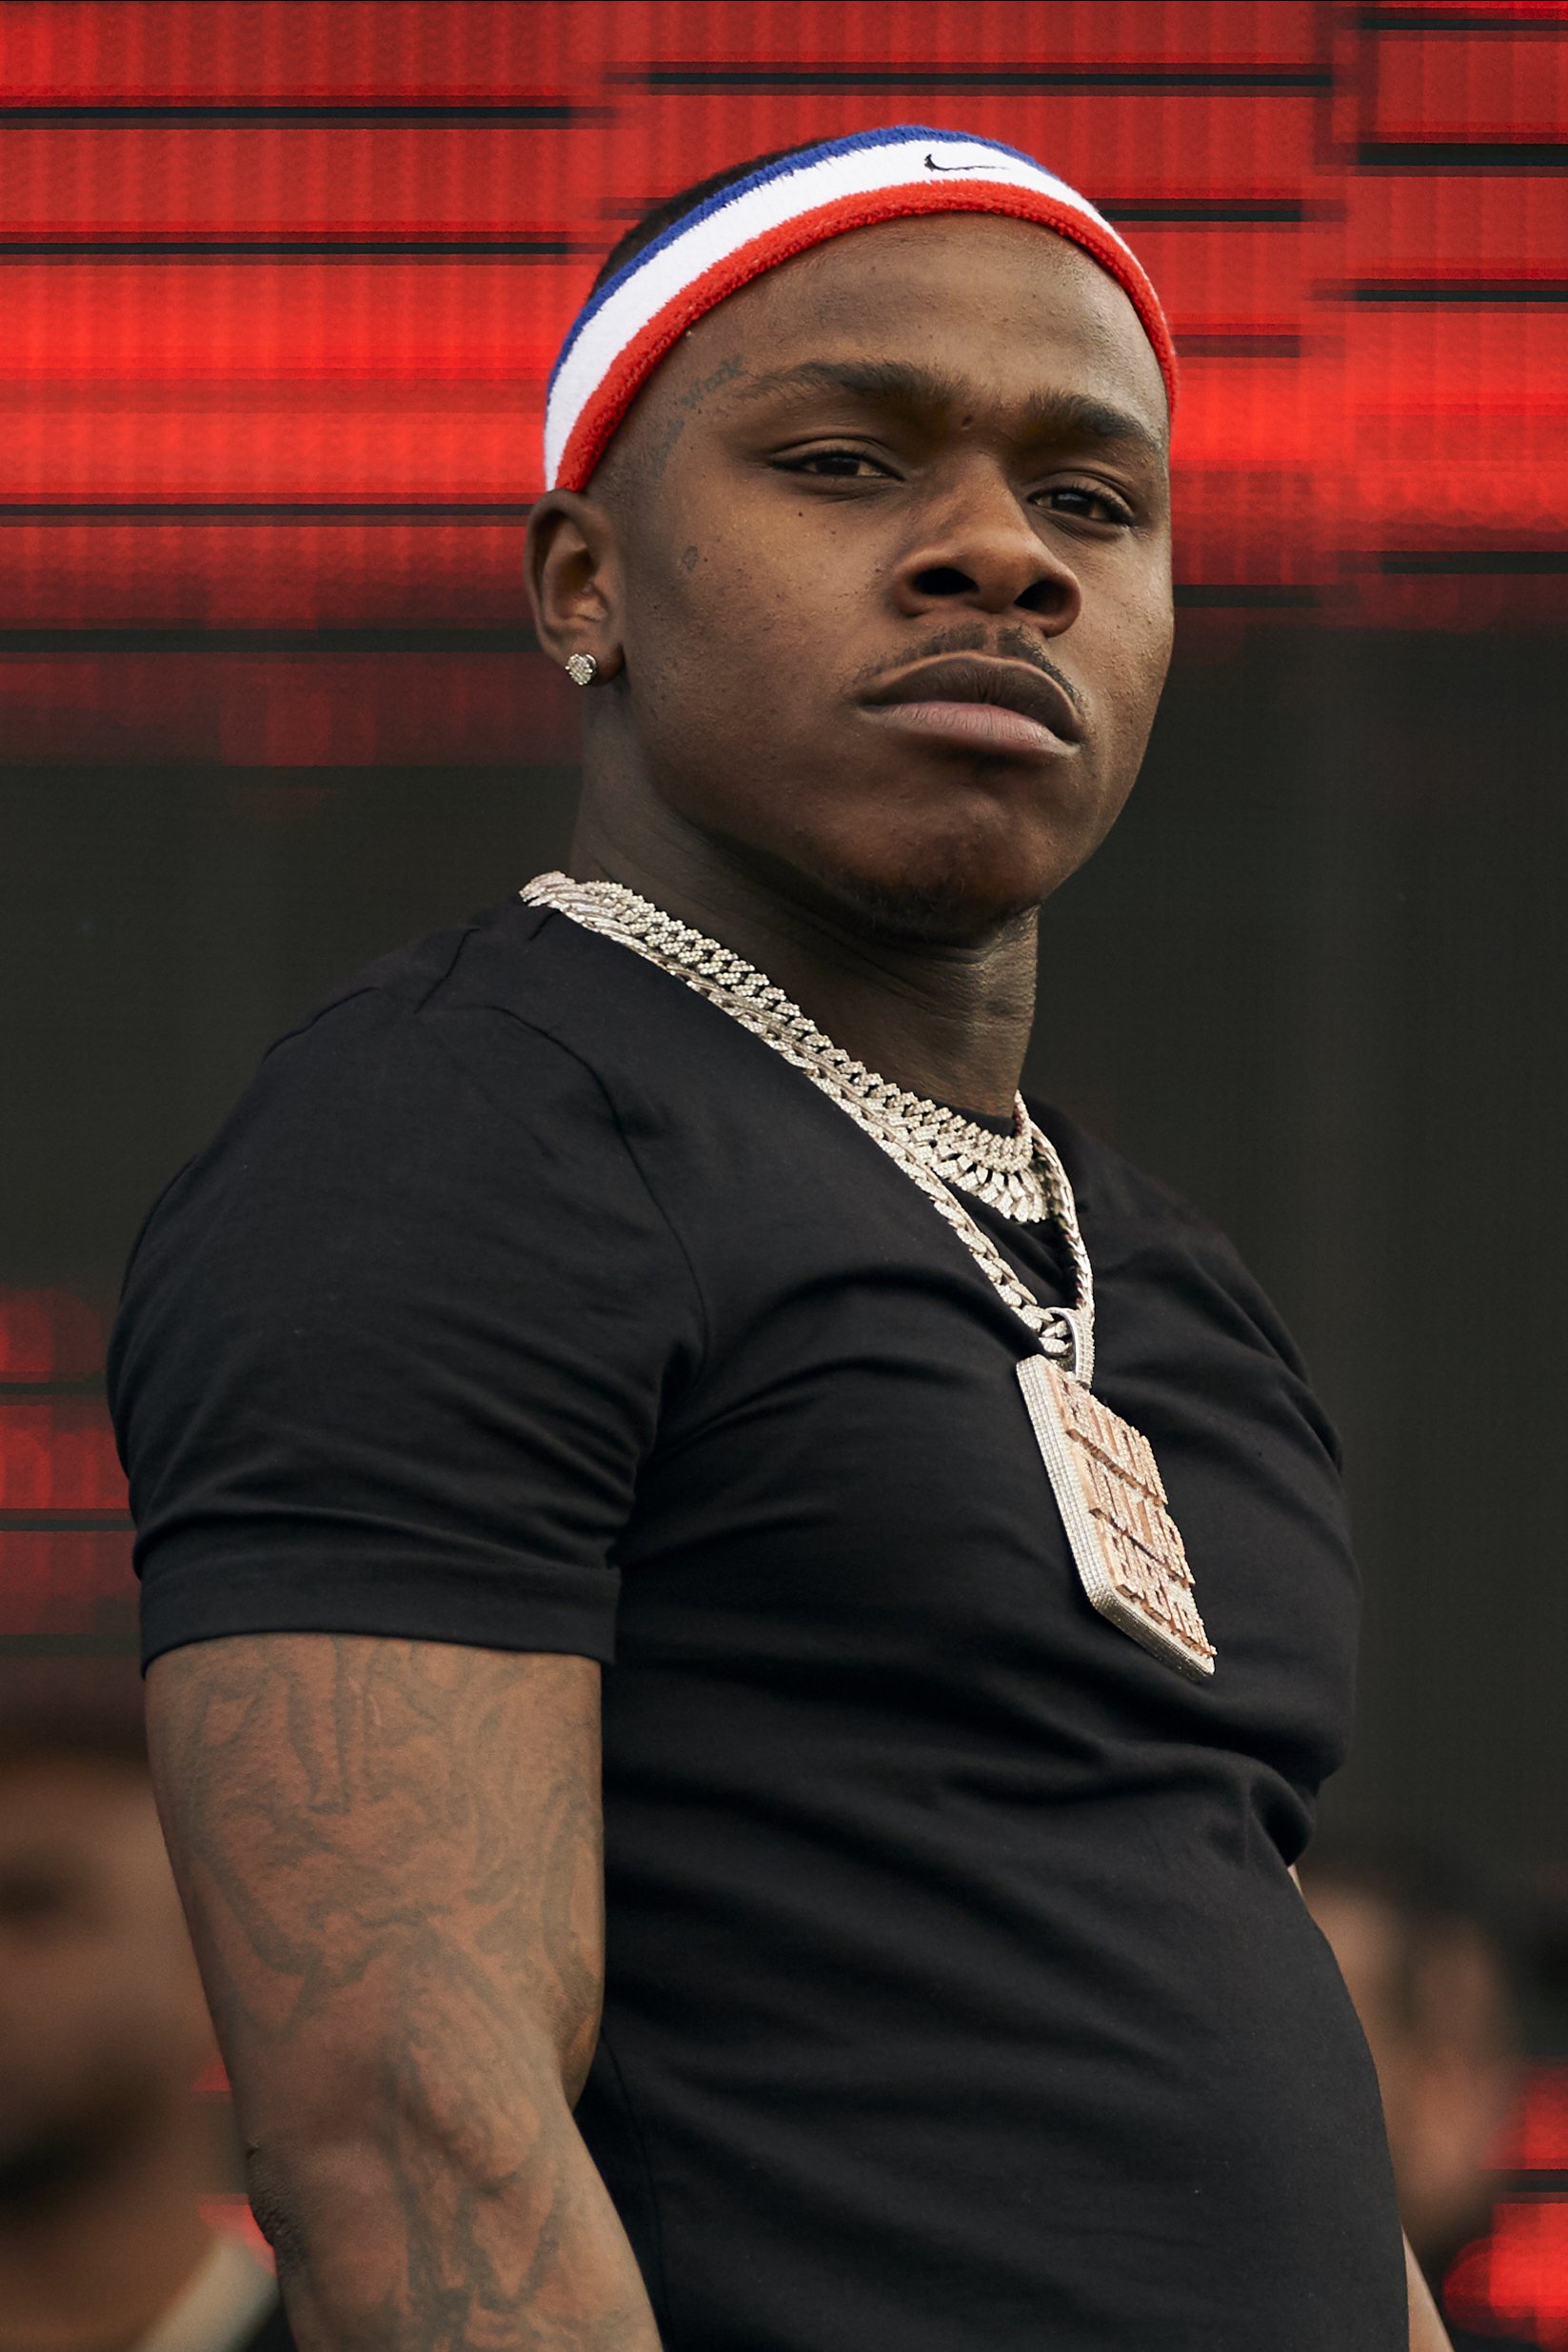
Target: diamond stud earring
<point>582,669</point>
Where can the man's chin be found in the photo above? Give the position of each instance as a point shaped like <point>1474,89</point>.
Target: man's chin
<point>948,903</point>
<point>931,896</point>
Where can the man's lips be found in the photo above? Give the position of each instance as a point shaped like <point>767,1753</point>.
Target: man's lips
<point>980,701</point>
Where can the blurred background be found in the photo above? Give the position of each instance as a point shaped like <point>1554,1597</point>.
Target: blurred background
<point>281,282</point>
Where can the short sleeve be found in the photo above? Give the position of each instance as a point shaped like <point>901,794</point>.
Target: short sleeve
<point>392,1350</point>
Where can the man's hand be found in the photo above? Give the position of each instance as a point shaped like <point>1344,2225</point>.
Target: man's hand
<point>390,1856</point>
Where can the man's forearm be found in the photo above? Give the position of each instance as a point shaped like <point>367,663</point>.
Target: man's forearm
<point>390,1852</point>
<point>408,2247</point>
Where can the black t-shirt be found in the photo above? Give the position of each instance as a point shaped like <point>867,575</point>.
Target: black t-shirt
<point>959,1998</point>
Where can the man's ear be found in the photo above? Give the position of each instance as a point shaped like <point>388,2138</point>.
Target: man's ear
<point>572,566</point>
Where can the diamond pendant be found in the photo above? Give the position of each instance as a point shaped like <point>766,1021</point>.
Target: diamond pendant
<point>1126,1546</point>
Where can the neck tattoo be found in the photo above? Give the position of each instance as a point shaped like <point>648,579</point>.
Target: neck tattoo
<point>1125,1545</point>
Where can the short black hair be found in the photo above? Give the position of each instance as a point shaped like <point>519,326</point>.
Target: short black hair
<point>668,209</point>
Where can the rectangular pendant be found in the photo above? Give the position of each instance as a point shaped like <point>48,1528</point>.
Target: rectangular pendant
<point>1126,1546</point>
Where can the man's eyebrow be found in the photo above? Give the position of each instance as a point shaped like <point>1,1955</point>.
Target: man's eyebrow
<point>894,383</point>
<point>1077,416</point>
<point>897,381</point>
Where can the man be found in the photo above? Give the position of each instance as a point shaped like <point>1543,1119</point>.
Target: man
<point>1432,1986</point>
<point>104,2153</point>
<point>663,1269</point>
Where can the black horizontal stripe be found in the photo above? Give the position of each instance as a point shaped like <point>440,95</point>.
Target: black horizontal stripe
<point>201,112</point>
<point>1476,561</point>
<point>1176,212</point>
<point>69,1645</point>
<point>1546,2183</point>
<point>265,510</point>
<point>1463,154</point>
<point>183,637</point>
<point>1203,211</point>
<point>291,248</point>
<point>1375,19</point>
<point>1219,595</point>
<point>1146,77</point>
<point>1239,343</point>
<point>61,1522</point>
<point>1466,291</point>
<point>1152,211</point>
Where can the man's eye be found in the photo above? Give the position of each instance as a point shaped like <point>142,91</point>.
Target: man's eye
<point>1092,505</point>
<point>837,465</point>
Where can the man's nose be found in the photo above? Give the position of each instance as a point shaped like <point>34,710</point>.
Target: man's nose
<point>979,551</point>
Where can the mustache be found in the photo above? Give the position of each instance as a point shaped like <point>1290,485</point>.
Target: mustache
<point>1014,645</point>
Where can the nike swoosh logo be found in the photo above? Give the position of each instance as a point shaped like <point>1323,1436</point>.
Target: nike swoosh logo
<point>932,165</point>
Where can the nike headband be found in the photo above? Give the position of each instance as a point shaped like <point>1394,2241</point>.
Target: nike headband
<point>625,329</point>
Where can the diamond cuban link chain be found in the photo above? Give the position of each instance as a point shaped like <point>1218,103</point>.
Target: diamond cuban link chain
<point>937,1148</point>
<point>1127,1549</point>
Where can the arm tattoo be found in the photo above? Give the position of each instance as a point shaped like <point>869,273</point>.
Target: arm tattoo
<point>391,1855</point>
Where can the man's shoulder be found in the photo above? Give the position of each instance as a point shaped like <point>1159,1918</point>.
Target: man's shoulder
<point>447,1069</point>
<point>423,1137</point>
<point>452,1028</point>
<point>484,964</point>
<point>512,983</point>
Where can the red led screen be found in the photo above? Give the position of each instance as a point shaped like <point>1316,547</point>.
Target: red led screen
<point>282,283</point>
<point>1517,2277</point>
<point>65,1532</point>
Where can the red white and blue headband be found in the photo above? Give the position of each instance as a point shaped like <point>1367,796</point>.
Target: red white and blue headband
<point>625,329</point>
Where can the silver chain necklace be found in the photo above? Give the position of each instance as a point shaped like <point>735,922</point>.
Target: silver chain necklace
<point>904,1123</point>
<point>1127,1549</point>
<point>1018,1174</point>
